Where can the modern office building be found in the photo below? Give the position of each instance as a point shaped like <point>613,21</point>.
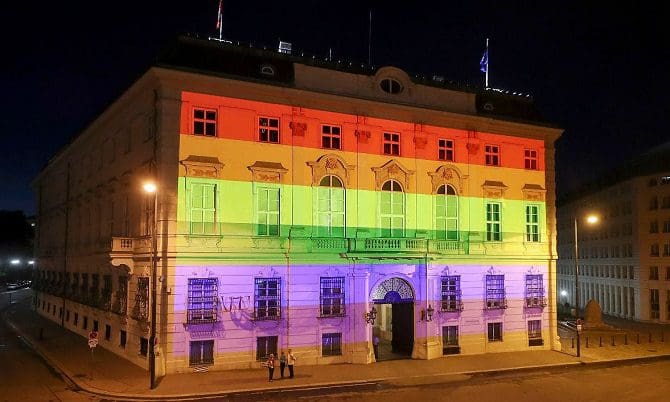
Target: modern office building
<point>302,204</point>
<point>624,259</point>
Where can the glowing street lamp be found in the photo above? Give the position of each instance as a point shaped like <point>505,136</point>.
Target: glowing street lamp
<point>591,219</point>
<point>15,261</point>
<point>152,188</point>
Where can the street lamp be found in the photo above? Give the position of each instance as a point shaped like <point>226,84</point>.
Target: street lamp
<point>591,220</point>
<point>151,188</point>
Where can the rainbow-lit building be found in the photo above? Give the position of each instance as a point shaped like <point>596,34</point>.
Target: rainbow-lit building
<point>297,200</point>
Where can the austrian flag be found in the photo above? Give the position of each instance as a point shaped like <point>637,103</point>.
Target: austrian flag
<point>219,17</point>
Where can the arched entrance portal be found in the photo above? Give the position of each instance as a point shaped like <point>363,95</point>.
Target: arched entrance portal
<point>394,299</point>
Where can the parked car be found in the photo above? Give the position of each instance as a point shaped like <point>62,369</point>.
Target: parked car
<point>13,286</point>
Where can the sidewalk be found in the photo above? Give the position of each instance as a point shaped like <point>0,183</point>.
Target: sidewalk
<point>113,377</point>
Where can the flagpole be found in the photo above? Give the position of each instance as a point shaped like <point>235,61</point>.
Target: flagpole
<point>370,40</point>
<point>220,20</point>
<point>487,63</point>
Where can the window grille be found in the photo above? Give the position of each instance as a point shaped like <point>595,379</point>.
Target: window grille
<point>451,293</point>
<point>331,344</point>
<point>495,292</point>
<point>332,296</point>
<point>267,298</point>
<point>141,310</point>
<point>201,352</point>
<point>535,291</point>
<point>202,300</point>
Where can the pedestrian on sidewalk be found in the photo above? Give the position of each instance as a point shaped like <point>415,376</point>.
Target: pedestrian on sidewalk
<point>375,346</point>
<point>291,363</point>
<point>270,364</point>
<point>282,363</point>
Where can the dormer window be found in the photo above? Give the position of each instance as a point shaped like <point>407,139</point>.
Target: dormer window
<point>390,86</point>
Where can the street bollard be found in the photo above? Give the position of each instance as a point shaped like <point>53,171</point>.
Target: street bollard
<point>613,344</point>
<point>625,339</point>
<point>573,342</point>
<point>601,341</point>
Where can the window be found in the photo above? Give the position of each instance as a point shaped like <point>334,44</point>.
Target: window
<point>76,318</point>
<point>392,209</point>
<point>653,273</point>
<point>267,298</point>
<point>495,292</point>
<point>202,300</point>
<point>144,346</point>
<point>201,352</point>
<point>534,291</point>
<point>665,202</point>
<point>203,208</point>
<point>445,150</point>
<point>492,155</point>
<point>268,130</point>
<point>666,226</point>
<point>532,223</point>
<point>493,232</point>
<point>332,296</point>
<point>535,333</point>
<point>122,338</point>
<point>667,276</point>
<point>530,159</point>
<point>451,293</point>
<point>390,86</point>
<point>653,227</point>
<point>450,340</point>
<point>141,310</point>
<point>446,213</point>
<point>654,305</point>
<point>204,122</point>
<point>330,207</point>
<point>95,325</point>
<point>331,344</point>
<point>267,216</point>
<point>330,137</point>
<point>391,144</point>
<point>264,346</point>
<point>108,332</point>
<point>85,325</point>
<point>67,315</point>
<point>653,250</point>
<point>495,331</point>
<point>653,203</point>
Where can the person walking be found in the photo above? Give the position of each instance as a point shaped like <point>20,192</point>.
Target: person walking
<point>375,346</point>
<point>291,362</point>
<point>270,364</point>
<point>282,363</point>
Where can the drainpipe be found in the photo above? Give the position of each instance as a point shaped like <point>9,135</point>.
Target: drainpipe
<point>65,238</point>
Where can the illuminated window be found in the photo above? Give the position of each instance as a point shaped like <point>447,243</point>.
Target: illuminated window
<point>331,344</point>
<point>451,293</point>
<point>530,159</point>
<point>204,122</point>
<point>330,137</point>
<point>534,291</point>
<point>267,212</point>
<point>390,86</point>
<point>268,130</point>
<point>535,333</point>
<point>532,223</point>
<point>332,296</point>
<point>202,300</point>
<point>654,304</point>
<point>203,208</point>
<point>495,292</point>
<point>330,207</point>
<point>450,340</point>
<point>201,352</point>
<point>392,209</point>
<point>267,298</point>
<point>495,332</point>
<point>445,150</point>
<point>446,213</point>
<point>493,218</point>
<point>391,144</point>
<point>264,346</point>
<point>492,155</point>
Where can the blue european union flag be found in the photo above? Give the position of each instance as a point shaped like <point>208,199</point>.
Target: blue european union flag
<point>484,62</point>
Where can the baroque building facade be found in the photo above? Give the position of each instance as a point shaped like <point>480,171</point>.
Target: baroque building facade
<point>624,260</point>
<point>301,204</point>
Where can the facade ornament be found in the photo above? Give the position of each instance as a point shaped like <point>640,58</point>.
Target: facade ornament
<point>331,164</point>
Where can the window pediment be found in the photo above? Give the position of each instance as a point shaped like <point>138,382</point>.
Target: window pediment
<point>533,192</point>
<point>447,174</point>
<point>392,170</point>
<point>330,164</point>
<point>494,189</point>
<point>268,172</point>
<point>202,166</point>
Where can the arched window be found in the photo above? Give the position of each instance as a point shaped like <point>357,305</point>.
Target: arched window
<point>392,209</point>
<point>330,207</point>
<point>446,213</point>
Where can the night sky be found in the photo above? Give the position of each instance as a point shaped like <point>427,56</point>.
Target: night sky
<point>601,72</point>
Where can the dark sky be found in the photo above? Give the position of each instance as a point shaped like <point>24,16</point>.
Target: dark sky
<point>600,71</point>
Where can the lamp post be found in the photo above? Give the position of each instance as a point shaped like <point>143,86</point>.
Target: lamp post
<point>590,219</point>
<point>151,188</point>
